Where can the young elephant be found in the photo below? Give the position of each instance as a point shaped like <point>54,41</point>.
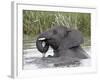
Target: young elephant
<point>65,42</point>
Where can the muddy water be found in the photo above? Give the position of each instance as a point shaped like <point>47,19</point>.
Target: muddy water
<point>33,60</point>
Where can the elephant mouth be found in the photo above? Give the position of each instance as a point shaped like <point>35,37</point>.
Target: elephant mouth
<point>43,41</point>
<point>42,45</point>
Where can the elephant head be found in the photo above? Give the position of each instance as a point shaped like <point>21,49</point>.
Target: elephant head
<point>59,38</point>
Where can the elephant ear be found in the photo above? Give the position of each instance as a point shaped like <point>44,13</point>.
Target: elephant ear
<point>72,38</point>
<point>40,47</point>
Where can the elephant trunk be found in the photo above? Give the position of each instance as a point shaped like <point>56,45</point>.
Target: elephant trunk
<point>42,45</point>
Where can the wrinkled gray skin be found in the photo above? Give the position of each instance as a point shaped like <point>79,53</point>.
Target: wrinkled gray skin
<point>65,43</point>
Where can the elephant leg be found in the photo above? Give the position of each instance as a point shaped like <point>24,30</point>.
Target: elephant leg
<point>56,54</point>
<point>67,57</point>
<point>79,52</point>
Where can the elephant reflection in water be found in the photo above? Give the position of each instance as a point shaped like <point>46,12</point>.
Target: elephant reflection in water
<point>65,43</point>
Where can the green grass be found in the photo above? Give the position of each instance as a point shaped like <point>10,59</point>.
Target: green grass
<point>36,22</point>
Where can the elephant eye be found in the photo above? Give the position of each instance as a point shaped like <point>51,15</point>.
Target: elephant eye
<point>54,32</point>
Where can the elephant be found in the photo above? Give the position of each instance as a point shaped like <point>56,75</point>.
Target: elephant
<point>64,41</point>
